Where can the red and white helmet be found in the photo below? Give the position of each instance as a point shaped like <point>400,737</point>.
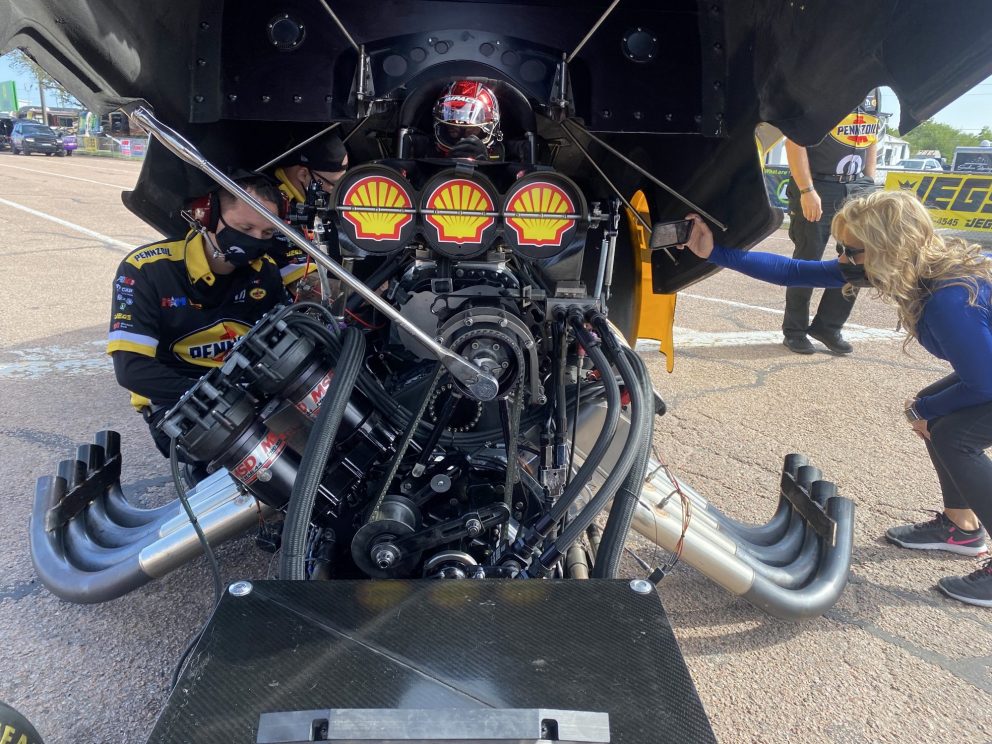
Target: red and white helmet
<point>466,109</point>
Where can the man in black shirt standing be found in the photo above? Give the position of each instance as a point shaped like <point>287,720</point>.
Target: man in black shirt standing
<point>823,176</point>
<point>180,305</point>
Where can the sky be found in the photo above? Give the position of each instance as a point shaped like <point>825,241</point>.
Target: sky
<point>970,112</point>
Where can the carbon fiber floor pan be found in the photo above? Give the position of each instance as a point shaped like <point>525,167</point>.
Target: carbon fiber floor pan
<point>572,645</point>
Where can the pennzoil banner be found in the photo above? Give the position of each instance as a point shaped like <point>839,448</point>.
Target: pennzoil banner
<point>957,201</point>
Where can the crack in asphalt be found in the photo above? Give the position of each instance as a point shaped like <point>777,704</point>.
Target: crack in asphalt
<point>47,439</point>
<point>973,670</point>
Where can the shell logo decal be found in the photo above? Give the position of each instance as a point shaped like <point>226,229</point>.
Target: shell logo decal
<point>377,191</point>
<point>208,347</point>
<point>545,197</point>
<point>465,196</point>
<point>857,130</point>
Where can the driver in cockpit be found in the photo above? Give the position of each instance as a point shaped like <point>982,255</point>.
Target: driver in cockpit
<point>466,122</point>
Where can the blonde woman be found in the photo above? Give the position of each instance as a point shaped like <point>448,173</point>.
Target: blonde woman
<point>942,291</point>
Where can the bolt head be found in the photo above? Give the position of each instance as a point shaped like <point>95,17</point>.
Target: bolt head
<point>642,586</point>
<point>240,588</point>
<point>385,556</point>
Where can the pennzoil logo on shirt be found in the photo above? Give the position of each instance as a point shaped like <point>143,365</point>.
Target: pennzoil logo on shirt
<point>208,347</point>
<point>157,252</point>
<point>257,293</point>
<point>857,130</point>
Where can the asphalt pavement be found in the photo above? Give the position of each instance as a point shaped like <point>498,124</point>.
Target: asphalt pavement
<point>893,661</point>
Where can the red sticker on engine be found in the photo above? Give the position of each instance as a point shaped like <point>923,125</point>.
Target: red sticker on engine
<point>261,458</point>
<point>309,405</point>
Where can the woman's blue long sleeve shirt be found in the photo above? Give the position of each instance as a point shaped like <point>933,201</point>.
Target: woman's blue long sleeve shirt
<point>949,328</point>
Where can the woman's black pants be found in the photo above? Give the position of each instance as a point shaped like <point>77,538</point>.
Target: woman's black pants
<point>957,448</point>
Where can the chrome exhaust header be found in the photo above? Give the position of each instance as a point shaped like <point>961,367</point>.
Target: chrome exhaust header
<point>794,566</point>
<point>83,553</point>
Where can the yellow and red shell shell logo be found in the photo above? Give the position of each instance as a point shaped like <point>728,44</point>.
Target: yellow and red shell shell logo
<point>545,198</point>
<point>463,196</point>
<point>383,193</point>
<point>857,130</point>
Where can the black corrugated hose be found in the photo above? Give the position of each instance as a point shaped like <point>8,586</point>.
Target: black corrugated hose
<point>618,475</point>
<point>606,434</point>
<point>631,448</point>
<point>315,454</point>
<point>625,502</point>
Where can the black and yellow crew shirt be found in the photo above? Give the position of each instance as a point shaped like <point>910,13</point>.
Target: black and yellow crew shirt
<point>292,262</point>
<point>179,318</point>
<point>843,153</point>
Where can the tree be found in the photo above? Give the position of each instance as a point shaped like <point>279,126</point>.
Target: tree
<point>933,135</point>
<point>23,64</point>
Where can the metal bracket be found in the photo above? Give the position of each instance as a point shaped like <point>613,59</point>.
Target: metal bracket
<point>808,509</point>
<point>469,525</point>
<point>452,726</point>
<point>89,490</point>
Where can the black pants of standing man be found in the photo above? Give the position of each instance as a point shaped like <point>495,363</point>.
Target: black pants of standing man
<point>810,239</point>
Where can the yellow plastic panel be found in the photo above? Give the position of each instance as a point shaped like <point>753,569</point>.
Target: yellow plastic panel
<point>654,314</point>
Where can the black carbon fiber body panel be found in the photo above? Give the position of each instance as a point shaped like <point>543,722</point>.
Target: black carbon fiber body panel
<point>576,645</point>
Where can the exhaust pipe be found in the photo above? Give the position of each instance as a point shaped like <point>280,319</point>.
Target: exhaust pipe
<point>737,576</point>
<point>89,544</point>
<point>791,567</point>
<point>82,554</point>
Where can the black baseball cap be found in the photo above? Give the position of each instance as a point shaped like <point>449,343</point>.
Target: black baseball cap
<point>324,154</point>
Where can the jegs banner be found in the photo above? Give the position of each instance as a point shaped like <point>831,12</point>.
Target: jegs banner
<point>958,201</point>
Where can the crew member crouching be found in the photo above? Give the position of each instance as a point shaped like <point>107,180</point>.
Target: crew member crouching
<point>180,305</point>
<point>307,178</point>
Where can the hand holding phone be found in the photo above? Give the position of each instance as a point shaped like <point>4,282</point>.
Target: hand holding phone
<point>670,233</point>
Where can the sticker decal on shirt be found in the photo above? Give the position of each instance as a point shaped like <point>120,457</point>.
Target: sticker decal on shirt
<point>857,130</point>
<point>208,347</point>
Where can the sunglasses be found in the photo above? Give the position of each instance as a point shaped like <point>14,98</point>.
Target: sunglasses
<point>848,251</point>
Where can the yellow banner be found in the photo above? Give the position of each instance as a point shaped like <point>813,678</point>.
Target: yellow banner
<point>958,201</point>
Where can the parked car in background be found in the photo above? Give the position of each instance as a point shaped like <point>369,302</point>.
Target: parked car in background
<point>6,126</point>
<point>30,136</point>
<point>69,141</point>
<point>974,159</point>
<point>919,164</point>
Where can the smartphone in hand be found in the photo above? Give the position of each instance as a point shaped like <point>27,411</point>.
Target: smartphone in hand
<point>670,233</point>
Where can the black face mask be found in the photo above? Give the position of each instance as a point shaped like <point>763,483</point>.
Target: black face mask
<point>470,147</point>
<point>854,274</point>
<point>240,249</point>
